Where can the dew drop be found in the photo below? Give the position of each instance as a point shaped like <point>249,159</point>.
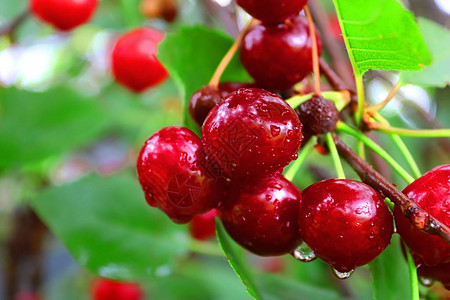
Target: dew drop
<point>304,253</point>
<point>268,197</point>
<point>183,157</point>
<point>275,130</point>
<point>342,275</point>
<point>294,156</point>
<point>426,281</point>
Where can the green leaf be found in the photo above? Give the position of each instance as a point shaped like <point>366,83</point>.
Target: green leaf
<point>109,229</point>
<point>191,56</point>
<point>381,35</point>
<point>35,126</point>
<point>237,262</point>
<point>276,287</point>
<point>437,39</point>
<point>390,273</point>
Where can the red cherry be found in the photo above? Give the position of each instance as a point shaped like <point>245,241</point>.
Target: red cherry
<point>203,227</point>
<point>439,272</point>
<point>134,62</point>
<point>105,289</point>
<point>261,215</point>
<point>345,222</point>
<point>279,56</point>
<point>432,193</point>
<point>64,15</point>
<point>272,11</point>
<point>251,132</point>
<point>173,178</point>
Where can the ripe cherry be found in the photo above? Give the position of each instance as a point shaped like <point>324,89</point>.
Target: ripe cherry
<point>203,100</point>
<point>261,215</point>
<point>203,227</point>
<point>172,176</point>
<point>318,115</point>
<point>279,56</point>
<point>345,222</point>
<point>440,272</point>
<point>134,62</point>
<point>64,15</point>
<point>272,11</point>
<point>105,289</point>
<point>432,193</point>
<point>251,132</point>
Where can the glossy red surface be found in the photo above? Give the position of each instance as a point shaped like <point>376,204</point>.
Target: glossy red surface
<point>203,227</point>
<point>251,132</point>
<point>134,62</point>
<point>272,11</point>
<point>345,222</point>
<point>105,289</point>
<point>172,177</point>
<point>261,215</point>
<point>201,103</point>
<point>64,15</point>
<point>440,273</point>
<point>432,193</point>
<point>279,56</point>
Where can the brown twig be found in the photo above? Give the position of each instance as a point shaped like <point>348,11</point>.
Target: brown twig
<point>335,81</point>
<point>418,217</point>
<point>10,28</point>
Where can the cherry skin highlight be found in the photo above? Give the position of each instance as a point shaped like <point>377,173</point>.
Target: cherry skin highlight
<point>134,62</point>
<point>261,215</point>
<point>251,132</point>
<point>105,289</point>
<point>279,56</point>
<point>432,193</point>
<point>173,177</point>
<point>63,15</point>
<point>345,222</point>
<point>203,227</point>
<point>272,11</point>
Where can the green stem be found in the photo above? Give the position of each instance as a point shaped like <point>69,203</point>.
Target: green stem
<point>415,295</point>
<point>361,97</point>
<point>418,133</point>
<point>342,127</point>
<point>407,155</point>
<point>336,97</point>
<point>360,149</point>
<point>292,170</point>
<point>335,156</point>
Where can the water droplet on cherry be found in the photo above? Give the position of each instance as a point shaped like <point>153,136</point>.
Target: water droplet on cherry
<point>304,253</point>
<point>342,275</point>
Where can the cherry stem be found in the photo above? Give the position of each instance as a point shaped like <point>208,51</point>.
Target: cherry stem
<point>415,295</point>
<point>229,55</point>
<point>293,169</point>
<point>361,98</point>
<point>335,156</point>
<point>342,127</point>
<point>340,99</point>
<point>388,98</point>
<point>418,133</point>
<point>402,147</point>
<point>418,217</point>
<point>333,79</point>
<point>315,51</point>
<point>10,28</point>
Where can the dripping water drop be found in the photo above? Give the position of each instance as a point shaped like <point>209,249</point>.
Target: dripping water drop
<point>342,275</point>
<point>304,253</point>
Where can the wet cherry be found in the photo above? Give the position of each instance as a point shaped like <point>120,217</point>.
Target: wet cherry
<point>272,11</point>
<point>105,289</point>
<point>279,56</point>
<point>172,176</point>
<point>432,193</point>
<point>261,215</point>
<point>203,227</point>
<point>440,272</point>
<point>251,132</point>
<point>345,222</point>
<point>134,62</point>
<point>64,15</point>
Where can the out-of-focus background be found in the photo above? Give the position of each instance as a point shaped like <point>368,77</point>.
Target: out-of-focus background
<point>68,131</point>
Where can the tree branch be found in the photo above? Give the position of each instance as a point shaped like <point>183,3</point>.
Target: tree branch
<point>418,217</point>
<point>10,28</point>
